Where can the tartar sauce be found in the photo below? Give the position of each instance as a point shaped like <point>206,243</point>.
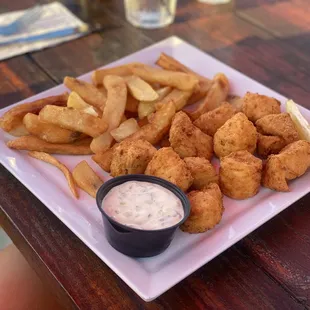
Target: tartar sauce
<point>143,205</point>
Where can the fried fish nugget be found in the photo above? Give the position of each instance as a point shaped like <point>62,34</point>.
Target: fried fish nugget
<point>240,175</point>
<point>188,140</point>
<point>267,145</point>
<point>292,162</point>
<point>280,125</point>
<point>168,165</point>
<point>202,171</point>
<point>131,157</point>
<point>256,106</point>
<point>206,209</point>
<point>211,121</point>
<point>237,134</point>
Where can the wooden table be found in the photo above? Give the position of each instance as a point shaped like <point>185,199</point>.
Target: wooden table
<point>268,40</point>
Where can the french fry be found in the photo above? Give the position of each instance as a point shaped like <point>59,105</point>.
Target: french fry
<point>216,95</point>
<point>76,102</point>
<point>113,111</point>
<point>49,132</point>
<point>179,80</point>
<point>142,122</point>
<point>178,97</point>
<point>169,63</point>
<point>13,118</point>
<point>140,90</point>
<point>147,107</point>
<point>19,131</point>
<point>53,161</point>
<point>73,119</point>
<point>98,75</point>
<point>131,104</point>
<point>159,127</point>
<point>86,91</point>
<point>125,129</point>
<point>32,143</point>
<point>104,159</point>
<point>86,179</point>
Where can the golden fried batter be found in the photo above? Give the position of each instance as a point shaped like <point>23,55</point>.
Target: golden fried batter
<point>168,165</point>
<point>240,175</point>
<point>211,121</point>
<point>206,209</point>
<point>280,125</point>
<point>131,156</point>
<point>292,162</point>
<point>188,140</point>
<point>256,106</point>
<point>202,171</point>
<point>237,134</point>
<point>267,145</point>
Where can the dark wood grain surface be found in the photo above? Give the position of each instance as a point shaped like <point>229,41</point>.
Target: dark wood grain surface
<point>268,40</point>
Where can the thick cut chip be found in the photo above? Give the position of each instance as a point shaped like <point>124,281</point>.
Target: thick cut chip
<point>178,97</point>
<point>49,132</point>
<point>73,119</point>
<point>132,104</point>
<point>169,63</point>
<point>32,143</point>
<point>13,118</point>
<point>145,108</point>
<point>99,75</point>
<point>215,97</point>
<point>86,91</point>
<point>113,111</point>
<point>76,102</point>
<point>179,80</point>
<point>140,90</point>
<point>86,178</point>
<point>53,161</point>
<point>125,129</point>
<point>159,126</point>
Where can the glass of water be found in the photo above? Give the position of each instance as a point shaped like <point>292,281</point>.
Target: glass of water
<point>150,13</point>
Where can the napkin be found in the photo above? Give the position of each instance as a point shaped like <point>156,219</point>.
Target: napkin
<point>55,19</point>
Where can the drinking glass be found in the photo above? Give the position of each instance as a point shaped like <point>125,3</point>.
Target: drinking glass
<point>150,13</point>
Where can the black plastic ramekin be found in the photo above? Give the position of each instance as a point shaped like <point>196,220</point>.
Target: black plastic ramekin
<point>137,242</point>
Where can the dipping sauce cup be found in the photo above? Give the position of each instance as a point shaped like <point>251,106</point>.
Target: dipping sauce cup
<point>137,242</point>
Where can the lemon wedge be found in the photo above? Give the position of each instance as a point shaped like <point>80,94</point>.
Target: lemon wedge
<point>300,122</point>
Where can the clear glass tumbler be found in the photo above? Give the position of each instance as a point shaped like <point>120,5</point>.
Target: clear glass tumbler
<point>150,13</point>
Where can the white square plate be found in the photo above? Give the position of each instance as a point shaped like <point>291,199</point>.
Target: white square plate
<point>150,277</point>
